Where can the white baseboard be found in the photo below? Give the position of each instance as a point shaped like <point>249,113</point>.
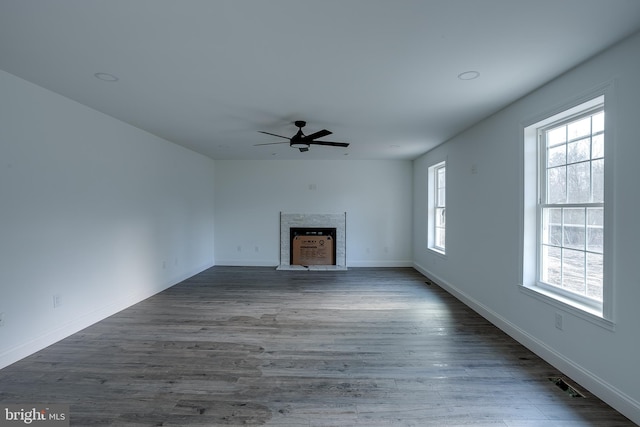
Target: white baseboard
<point>350,263</point>
<point>82,321</point>
<point>246,263</point>
<point>373,264</point>
<point>618,400</point>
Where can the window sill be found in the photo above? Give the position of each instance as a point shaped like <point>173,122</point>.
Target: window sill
<point>579,310</point>
<point>438,252</point>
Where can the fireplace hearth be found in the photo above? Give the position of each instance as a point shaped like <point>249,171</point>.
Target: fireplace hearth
<point>312,241</point>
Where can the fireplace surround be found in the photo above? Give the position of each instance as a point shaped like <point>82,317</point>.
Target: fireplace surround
<point>290,221</point>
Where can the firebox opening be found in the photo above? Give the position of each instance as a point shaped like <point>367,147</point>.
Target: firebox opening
<point>312,246</point>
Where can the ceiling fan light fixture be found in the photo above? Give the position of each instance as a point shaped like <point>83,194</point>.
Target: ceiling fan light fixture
<point>299,145</point>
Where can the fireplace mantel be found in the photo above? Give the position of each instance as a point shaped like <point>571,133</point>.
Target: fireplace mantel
<point>306,220</point>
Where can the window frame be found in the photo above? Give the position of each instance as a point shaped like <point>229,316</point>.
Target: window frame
<point>437,205</point>
<point>601,315</point>
<point>544,203</point>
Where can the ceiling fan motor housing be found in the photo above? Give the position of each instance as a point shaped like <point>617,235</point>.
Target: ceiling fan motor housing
<point>296,140</point>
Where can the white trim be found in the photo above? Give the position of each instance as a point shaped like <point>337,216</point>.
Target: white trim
<point>231,262</point>
<point>432,194</point>
<point>570,305</point>
<point>438,252</point>
<point>614,397</point>
<point>381,263</point>
<point>582,111</point>
<point>85,320</point>
<point>528,197</point>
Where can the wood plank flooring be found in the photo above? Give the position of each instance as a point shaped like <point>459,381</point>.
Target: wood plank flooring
<point>255,346</point>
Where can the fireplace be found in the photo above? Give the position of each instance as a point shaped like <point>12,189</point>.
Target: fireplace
<point>312,241</point>
<point>312,246</point>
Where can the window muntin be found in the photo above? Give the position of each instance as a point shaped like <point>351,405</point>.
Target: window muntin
<point>571,207</point>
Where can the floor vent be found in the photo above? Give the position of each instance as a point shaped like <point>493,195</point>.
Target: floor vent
<point>564,386</point>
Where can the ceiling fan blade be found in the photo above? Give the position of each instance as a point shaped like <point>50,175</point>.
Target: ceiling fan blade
<point>272,143</point>
<point>318,134</point>
<point>273,134</point>
<point>333,144</point>
<point>303,149</point>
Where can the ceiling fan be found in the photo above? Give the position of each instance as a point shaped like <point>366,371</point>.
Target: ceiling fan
<point>302,141</point>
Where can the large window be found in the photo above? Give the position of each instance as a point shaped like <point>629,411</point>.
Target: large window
<point>571,208</point>
<point>437,207</point>
<point>565,237</point>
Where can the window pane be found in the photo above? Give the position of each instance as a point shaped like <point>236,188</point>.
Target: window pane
<point>437,215</point>
<point>573,229</point>
<point>594,276</point>
<point>551,272</point>
<point>579,128</point>
<point>556,185</point>
<point>556,136</point>
<point>578,183</point>
<point>441,177</point>
<point>571,238</point>
<point>552,227</point>
<point>441,197</point>
<point>440,237</point>
<point>595,228</point>
<point>440,217</point>
<point>573,266</point>
<point>597,146</point>
<point>557,156</point>
<point>597,167</point>
<point>578,151</point>
<point>597,122</point>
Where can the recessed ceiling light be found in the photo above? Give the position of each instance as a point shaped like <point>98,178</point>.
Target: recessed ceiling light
<point>106,77</point>
<point>469,75</point>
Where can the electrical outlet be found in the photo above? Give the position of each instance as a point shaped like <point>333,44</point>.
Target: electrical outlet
<point>57,301</point>
<point>1,319</point>
<point>558,321</point>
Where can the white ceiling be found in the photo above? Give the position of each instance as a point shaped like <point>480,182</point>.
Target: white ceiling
<point>380,74</point>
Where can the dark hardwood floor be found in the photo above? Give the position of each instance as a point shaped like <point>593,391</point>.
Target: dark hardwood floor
<point>255,346</point>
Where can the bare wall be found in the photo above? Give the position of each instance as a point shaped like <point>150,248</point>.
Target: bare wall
<point>95,214</point>
<point>376,195</point>
<point>484,210</point>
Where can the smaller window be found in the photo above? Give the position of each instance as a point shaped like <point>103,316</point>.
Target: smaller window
<point>437,207</point>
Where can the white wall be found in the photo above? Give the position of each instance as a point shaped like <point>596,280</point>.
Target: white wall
<point>93,210</point>
<point>483,234</point>
<point>249,196</point>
